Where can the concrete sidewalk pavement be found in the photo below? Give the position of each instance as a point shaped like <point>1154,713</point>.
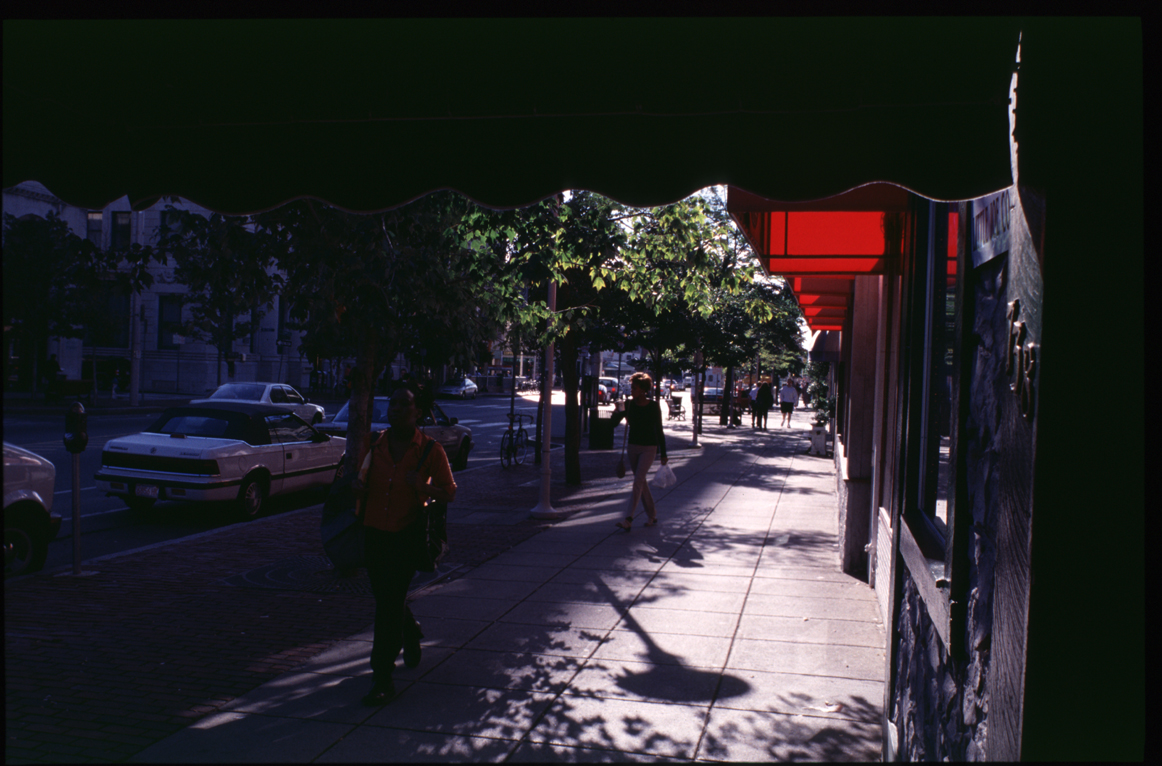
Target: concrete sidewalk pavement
<point>725,633</point>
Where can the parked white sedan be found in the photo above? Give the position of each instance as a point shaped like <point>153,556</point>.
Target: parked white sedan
<point>461,388</point>
<point>219,451</point>
<point>29,521</point>
<point>278,394</point>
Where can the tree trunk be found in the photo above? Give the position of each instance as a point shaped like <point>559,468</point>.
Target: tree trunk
<point>702,389</point>
<point>727,397</point>
<point>359,408</point>
<point>540,412</point>
<point>656,356</point>
<point>569,380</point>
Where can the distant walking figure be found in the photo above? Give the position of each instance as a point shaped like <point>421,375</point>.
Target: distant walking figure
<point>646,438</point>
<point>764,400</point>
<point>787,398</point>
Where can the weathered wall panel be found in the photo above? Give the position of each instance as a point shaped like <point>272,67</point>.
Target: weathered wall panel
<point>928,697</point>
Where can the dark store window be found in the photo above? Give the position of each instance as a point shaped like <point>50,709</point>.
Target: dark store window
<point>121,230</point>
<point>94,232</point>
<point>169,321</point>
<point>112,331</point>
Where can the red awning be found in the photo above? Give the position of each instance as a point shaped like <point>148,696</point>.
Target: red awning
<point>822,245</point>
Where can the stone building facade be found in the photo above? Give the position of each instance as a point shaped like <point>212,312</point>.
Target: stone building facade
<point>169,362</point>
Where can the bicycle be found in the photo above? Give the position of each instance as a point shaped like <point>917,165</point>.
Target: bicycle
<point>514,444</point>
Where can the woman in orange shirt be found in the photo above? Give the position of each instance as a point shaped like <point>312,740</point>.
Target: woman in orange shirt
<point>395,487</point>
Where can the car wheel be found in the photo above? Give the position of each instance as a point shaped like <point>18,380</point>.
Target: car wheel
<point>23,551</point>
<point>461,460</point>
<point>252,497</point>
<point>317,419</point>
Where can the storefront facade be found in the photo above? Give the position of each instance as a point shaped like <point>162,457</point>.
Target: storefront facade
<point>949,504</point>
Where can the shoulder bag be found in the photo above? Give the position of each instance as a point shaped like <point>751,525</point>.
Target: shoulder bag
<point>433,524</point>
<point>342,522</point>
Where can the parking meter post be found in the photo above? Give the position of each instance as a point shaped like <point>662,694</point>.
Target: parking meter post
<point>76,513</point>
<point>76,438</point>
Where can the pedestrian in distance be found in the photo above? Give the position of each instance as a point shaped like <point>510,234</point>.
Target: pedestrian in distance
<point>395,481</point>
<point>788,395</point>
<point>645,440</point>
<point>764,400</point>
<point>754,410</point>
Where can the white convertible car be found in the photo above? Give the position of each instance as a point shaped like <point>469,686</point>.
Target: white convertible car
<point>219,451</point>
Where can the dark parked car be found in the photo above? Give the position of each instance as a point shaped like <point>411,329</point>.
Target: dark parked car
<point>455,438</point>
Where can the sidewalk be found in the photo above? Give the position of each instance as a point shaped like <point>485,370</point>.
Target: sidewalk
<point>725,633</point>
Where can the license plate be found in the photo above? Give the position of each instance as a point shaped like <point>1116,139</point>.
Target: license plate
<point>146,490</point>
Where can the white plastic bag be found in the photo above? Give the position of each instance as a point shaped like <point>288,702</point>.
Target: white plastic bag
<point>664,478</point>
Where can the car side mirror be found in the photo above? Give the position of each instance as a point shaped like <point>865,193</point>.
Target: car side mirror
<point>321,437</point>
<point>454,421</point>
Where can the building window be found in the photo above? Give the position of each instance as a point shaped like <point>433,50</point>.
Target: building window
<point>171,221</point>
<point>112,331</point>
<point>169,321</point>
<point>927,374</point>
<point>121,231</point>
<point>94,232</point>
<point>283,318</point>
<point>256,314</point>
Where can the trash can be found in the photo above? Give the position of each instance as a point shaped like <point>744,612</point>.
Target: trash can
<point>819,440</point>
<point>600,430</point>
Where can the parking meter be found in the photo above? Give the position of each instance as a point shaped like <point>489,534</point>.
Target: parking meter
<point>76,428</point>
<point>76,438</point>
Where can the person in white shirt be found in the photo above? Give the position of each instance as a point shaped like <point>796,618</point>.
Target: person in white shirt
<point>788,395</point>
<point>754,411</point>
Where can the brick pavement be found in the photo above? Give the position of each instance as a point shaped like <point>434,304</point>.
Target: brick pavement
<point>99,667</point>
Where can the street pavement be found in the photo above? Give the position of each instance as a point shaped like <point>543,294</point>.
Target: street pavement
<point>725,633</point>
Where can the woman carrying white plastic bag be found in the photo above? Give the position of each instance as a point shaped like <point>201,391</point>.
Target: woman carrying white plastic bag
<point>664,477</point>
<point>646,439</point>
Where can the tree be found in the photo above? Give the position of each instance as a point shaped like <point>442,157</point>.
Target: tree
<point>227,273</point>
<point>55,284</point>
<point>778,339</point>
<point>704,290</point>
<point>687,268</point>
<point>377,285</point>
